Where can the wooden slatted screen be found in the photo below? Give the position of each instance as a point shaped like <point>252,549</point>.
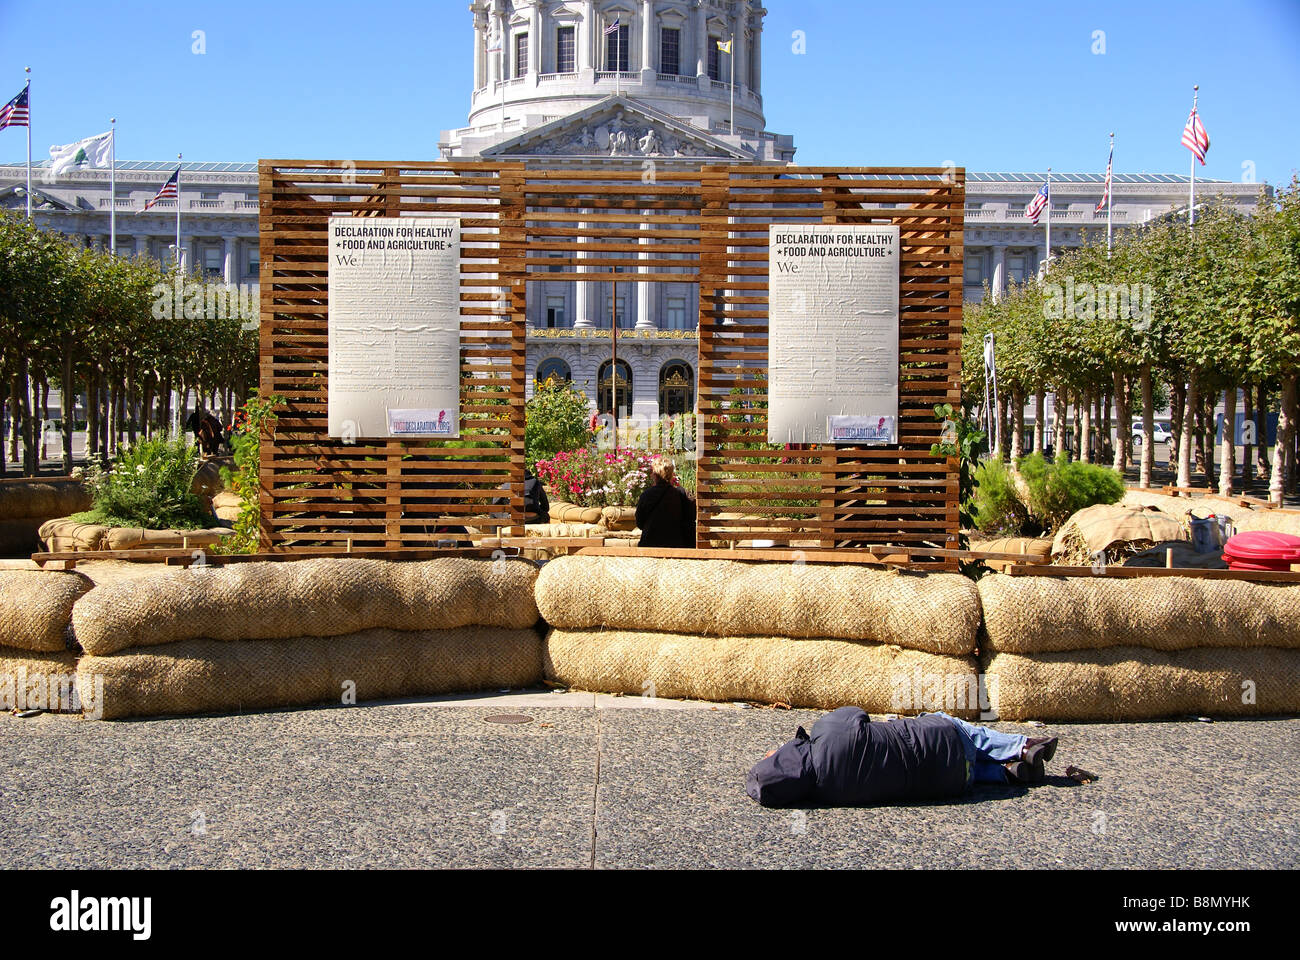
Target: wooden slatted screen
<point>831,496</point>
<point>703,224</point>
<point>318,492</point>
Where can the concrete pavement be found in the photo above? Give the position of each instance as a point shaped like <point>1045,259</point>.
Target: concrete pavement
<point>606,782</point>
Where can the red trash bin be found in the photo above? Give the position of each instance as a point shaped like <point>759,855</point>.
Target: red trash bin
<point>1262,550</point>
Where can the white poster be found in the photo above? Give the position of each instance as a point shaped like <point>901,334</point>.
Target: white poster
<point>833,334</point>
<point>394,327</point>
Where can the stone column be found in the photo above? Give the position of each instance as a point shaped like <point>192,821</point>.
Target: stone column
<point>648,65</point>
<point>999,283</point>
<point>141,245</point>
<point>645,319</point>
<point>535,42</point>
<point>228,259</point>
<point>701,41</point>
<point>585,35</point>
<point>758,54</point>
<point>480,27</point>
<point>741,49</point>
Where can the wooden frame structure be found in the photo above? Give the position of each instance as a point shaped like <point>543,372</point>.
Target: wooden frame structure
<point>702,224</point>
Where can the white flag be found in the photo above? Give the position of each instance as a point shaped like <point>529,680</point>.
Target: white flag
<point>91,152</point>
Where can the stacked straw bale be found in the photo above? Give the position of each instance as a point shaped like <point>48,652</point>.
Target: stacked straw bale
<point>1097,649</point>
<point>809,635</point>
<point>27,504</point>
<point>260,635</point>
<point>36,661</point>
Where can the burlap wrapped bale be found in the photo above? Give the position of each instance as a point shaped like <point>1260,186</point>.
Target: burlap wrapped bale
<point>202,676</point>
<point>44,499</point>
<point>138,538</point>
<point>1131,683</point>
<point>1116,530</point>
<point>619,518</point>
<point>36,608</point>
<point>821,673</point>
<point>38,681</point>
<point>562,512</point>
<point>64,535</point>
<point>934,612</point>
<point>228,506</point>
<point>1035,614</point>
<point>323,597</point>
<point>564,530</point>
<point>1276,521</point>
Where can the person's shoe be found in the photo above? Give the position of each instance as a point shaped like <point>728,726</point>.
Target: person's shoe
<point>1038,750</point>
<point>1018,771</point>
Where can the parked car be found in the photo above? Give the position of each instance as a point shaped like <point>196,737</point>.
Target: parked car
<point>1160,431</point>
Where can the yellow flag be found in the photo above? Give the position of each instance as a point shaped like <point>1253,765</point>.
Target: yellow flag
<point>724,46</point>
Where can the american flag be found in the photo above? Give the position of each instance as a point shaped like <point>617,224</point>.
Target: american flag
<point>15,113</point>
<point>612,28</point>
<point>170,190</point>
<point>1195,138</point>
<point>1105,194</point>
<point>1036,206</point>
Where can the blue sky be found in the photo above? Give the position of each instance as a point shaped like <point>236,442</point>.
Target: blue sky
<point>992,86</point>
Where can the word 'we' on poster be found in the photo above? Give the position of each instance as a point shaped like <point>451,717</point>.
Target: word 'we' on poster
<point>394,327</point>
<point>833,334</point>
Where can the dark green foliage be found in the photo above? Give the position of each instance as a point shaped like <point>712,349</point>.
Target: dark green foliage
<point>997,507</point>
<point>148,485</point>
<point>1059,489</point>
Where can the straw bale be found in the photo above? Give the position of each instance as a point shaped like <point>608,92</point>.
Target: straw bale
<point>1131,683</point>
<point>1276,521</point>
<point>36,608</point>
<point>38,681</point>
<point>63,534</point>
<point>321,597</point>
<point>203,675</point>
<point>44,499</point>
<point>1034,614</point>
<point>21,536</point>
<point>138,538</point>
<point>934,612</point>
<point>822,673</point>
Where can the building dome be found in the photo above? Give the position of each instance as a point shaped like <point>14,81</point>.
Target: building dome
<point>539,61</point>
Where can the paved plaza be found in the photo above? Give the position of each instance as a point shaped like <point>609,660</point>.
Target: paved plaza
<point>599,781</point>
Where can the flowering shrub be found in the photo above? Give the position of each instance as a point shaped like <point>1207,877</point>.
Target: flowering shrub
<point>148,486</point>
<point>596,478</point>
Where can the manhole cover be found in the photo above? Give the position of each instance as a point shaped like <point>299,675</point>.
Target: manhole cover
<point>508,718</point>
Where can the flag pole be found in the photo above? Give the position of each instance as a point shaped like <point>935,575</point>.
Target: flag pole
<point>178,212</point>
<point>731,57</point>
<point>613,367</point>
<point>1110,191</point>
<point>28,71</point>
<point>1047,263</point>
<point>112,186</point>
<point>1191,183</point>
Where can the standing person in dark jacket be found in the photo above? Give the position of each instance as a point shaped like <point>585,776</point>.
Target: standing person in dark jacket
<point>665,514</point>
<point>850,761</point>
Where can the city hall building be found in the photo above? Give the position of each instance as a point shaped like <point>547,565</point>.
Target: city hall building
<point>641,84</point>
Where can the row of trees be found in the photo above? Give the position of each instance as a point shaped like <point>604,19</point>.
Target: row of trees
<point>1188,313</point>
<point>122,333</point>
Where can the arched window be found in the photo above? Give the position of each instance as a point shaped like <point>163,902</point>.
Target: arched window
<point>676,389</point>
<point>605,397</point>
<point>553,367</point>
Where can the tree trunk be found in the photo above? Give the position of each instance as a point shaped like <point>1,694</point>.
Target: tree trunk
<point>1228,452</point>
<point>132,405</point>
<point>69,406</point>
<point>1248,449</point>
<point>43,392</point>
<point>1148,428</point>
<point>1017,424</point>
<point>92,414</point>
<point>1085,427</point>
<point>30,451</point>
<point>1058,428</point>
<point>1261,432</point>
<point>15,418</point>
<point>1204,448</point>
<point>1188,425</point>
<point>1285,426</point>
<point>1040,403</point>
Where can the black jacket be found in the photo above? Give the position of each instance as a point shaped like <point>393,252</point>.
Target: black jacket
<point>850,761</point>
<point>537,506</point>
<point>666,516</point>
